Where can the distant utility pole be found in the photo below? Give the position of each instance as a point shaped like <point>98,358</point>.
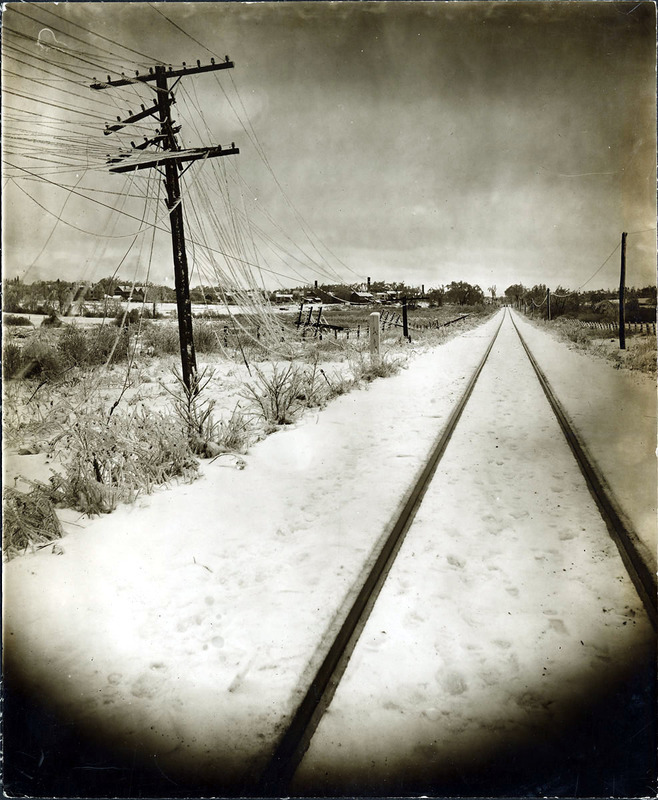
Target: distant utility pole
<point>168,155</point>
<point>548,304</point>
<point>622,289</point>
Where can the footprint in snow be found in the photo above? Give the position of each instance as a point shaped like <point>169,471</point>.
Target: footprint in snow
<point>143,687</point>
<point>557,625</point>
<point>452,682</point>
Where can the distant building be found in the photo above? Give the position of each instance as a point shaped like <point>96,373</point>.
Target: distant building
<point>362,298</point>
<point>128,292</point>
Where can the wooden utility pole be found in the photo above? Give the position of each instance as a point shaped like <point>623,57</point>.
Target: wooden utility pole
<point>548,304</point>
<point>168,155</point>
<point>622,289</point>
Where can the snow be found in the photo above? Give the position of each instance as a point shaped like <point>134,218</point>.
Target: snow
<point>189,624</point>
<point>505,602</point>
<point>614,412</point>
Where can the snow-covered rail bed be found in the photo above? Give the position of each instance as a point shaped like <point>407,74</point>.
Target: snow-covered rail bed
<point>507,612</point>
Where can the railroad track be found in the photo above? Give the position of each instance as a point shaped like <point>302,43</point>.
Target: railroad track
<point>279,774</point>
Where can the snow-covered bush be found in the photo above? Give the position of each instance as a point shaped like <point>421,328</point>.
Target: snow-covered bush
<point>107,461</point>
<point>364,369</point>
<point>278,397</point>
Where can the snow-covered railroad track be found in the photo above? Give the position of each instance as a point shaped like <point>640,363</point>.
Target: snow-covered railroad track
<point>496,603</point>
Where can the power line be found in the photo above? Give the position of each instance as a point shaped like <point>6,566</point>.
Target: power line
<point>251,133</point>
<point>61,47</point>
<point>596,272</point>
<point>104,38</point>
<point>164,230</point>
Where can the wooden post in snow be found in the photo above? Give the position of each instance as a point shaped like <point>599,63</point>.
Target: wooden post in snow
<point>622,288</point>
<point>405,321</point>
<point>375,345</point>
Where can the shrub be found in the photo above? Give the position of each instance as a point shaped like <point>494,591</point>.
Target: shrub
<point>106,344</point>
<point>110,461</point>
<point>206,436</point>
<point>28,519</point>
<point>88,348</point>
<point>364,369</point>
<point>193,409</point>
<point>11,360</point>
<point>233,434</point>
<point>41,359</point>
<point>12,319</point>
<point>74,346</point>
<point>206,337</point>
<point>161,340</point>
<point>124,318</point>
<point>277,398</point>
<point>52,320</point>
<point>338,384</point>
<point>642,356</point>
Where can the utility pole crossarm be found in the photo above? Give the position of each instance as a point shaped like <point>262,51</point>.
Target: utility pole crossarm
<point>121,123</point>
<point>170,157</point>
<point>168,73</point>
<point>179,156</point>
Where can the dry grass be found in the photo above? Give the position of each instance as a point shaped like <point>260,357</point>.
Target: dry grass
<point>640,353</point>
<point>28,520</point>
<point>111,452</point>
<point>278,397</point>
<point>107,461</point>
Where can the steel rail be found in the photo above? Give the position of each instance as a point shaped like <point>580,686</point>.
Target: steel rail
<point>293,744</point>
<point>620,528</point>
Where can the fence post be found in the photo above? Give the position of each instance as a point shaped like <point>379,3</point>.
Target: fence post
<point>375,346</point>
<point>405,320</point>
<point>622,288</point>
<point>225,335</point>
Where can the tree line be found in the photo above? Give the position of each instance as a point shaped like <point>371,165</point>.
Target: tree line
<point>593,304</point>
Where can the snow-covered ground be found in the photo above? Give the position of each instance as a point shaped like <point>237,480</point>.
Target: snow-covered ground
<point>614,412</point>
<point>188,625</point>
<point>507,606</point>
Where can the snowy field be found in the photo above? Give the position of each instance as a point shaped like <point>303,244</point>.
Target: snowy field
<point>186,627</point>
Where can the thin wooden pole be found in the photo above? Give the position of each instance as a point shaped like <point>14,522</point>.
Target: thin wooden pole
<point>375,346</point>
<point>405,321</point>
<point>622,287</point>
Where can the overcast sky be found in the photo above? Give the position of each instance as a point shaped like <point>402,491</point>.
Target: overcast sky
<point>419,141</point>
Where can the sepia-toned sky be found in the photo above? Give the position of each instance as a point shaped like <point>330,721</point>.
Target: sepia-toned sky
<point>419,141</point>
